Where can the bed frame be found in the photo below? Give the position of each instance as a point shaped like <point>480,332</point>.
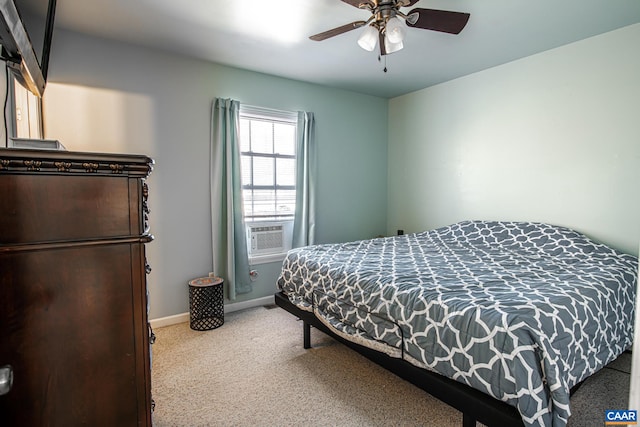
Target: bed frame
<point>474,405</point>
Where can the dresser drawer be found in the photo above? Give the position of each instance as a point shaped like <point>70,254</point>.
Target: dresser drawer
<point>46,208</point>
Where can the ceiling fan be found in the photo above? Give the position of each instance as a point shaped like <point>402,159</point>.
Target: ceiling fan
<point>384,25</point>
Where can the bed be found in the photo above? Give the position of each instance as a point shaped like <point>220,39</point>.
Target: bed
<point>499,319</point>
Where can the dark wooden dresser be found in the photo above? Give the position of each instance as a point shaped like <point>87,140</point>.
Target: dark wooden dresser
<point>74,331</point>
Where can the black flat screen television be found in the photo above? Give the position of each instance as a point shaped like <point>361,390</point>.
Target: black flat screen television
<point>26,30</point>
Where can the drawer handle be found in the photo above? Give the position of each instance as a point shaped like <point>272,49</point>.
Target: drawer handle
<point>6,379</point>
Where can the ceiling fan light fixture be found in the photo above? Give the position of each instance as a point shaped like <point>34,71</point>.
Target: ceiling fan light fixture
<point>385,26</point>
<point>391,47</point>
<point>394,30</point>
<point>369,38</point>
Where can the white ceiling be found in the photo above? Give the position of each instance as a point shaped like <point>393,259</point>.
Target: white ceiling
<point>271,36</point>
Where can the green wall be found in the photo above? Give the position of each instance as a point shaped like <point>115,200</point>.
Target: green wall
<point>110,97</point>
<point>553,138</point>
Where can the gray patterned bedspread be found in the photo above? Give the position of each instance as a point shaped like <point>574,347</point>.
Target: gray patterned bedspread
<point>521,311</point>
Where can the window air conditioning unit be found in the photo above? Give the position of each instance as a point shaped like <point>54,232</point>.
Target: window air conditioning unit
<point>266,239</point>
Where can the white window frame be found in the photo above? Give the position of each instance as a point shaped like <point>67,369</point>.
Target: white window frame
<point>273,116</point>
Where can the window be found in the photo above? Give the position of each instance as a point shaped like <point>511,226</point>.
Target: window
<point>268,157</point>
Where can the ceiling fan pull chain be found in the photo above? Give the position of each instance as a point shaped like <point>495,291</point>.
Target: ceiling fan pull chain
<point>385,62</point>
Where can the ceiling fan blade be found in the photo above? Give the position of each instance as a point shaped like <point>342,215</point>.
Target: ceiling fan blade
<point>406,3</point>
<point>440,20</point>
<point>337,31</point>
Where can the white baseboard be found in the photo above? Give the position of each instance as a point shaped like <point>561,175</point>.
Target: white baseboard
<point>169,320</point>
<point>258,302</point>
<point>228,308</point>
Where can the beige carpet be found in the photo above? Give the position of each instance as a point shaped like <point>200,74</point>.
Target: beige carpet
<point>253,371</point>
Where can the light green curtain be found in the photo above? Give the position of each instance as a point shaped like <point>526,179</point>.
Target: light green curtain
<point>304,223</point>
<point>230,259</point>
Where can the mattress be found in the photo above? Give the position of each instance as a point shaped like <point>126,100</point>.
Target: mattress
<point>521,311</point>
